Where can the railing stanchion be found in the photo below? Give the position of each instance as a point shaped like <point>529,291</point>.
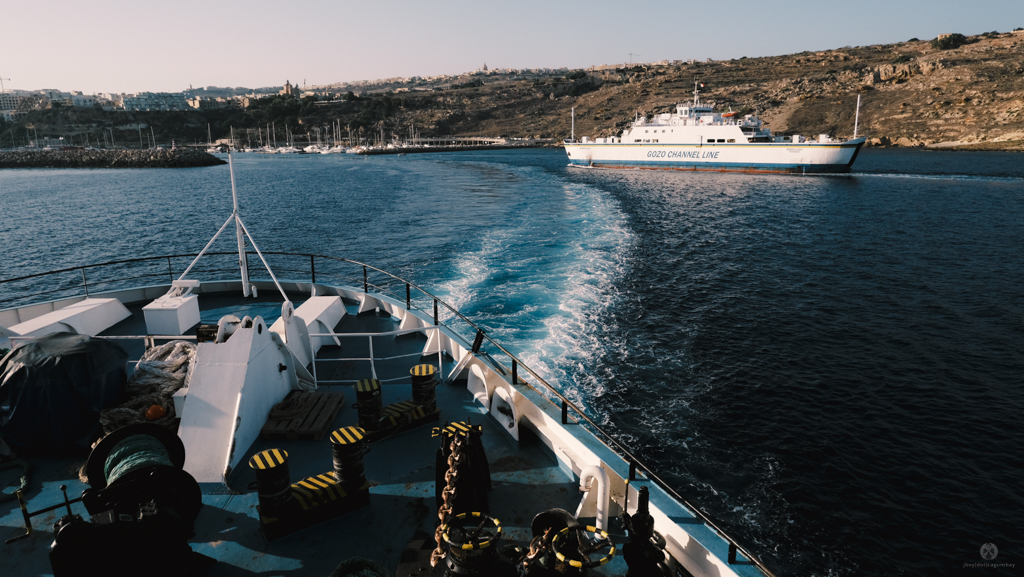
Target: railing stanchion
<point>312,267</point>
<point>170,271</point>
<point>366,288</point>
<point>479,340</point>
<point>565,412</point>
<point>436,320</point>
<point>732,553</point>
<point>85,283</point>
<point>515,372</point>
<point>632,470</point>
<point>408,297</point>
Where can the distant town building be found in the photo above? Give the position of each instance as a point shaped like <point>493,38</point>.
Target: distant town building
<point>15,104</point>
<point>79,100</point>
<point>154,101</point>
<point>218,103</point>
<point>10,100</point>
<point>288,89</point>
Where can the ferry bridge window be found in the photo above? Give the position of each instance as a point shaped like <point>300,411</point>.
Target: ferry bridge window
<point>711,140</point>
<point>732,140</point>
<point>721,140</point>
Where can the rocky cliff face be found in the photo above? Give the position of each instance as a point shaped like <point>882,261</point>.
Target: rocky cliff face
<point>911,95</point>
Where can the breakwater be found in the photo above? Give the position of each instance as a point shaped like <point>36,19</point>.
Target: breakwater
<point>116,158</point>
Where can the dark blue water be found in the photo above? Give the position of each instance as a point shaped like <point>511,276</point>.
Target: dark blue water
<point>833,367</point>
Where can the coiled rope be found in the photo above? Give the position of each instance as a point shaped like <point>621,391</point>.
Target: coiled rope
<point>132,453</point>
<point>292,407</point>
<point>23,481</point>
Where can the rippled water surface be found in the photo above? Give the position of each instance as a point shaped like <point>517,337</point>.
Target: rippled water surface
<point>831,366</point>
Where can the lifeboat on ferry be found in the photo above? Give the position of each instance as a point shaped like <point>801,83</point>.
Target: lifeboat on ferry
<point>729,114</point>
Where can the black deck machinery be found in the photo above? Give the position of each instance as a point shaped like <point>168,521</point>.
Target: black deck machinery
<point>142,505</point>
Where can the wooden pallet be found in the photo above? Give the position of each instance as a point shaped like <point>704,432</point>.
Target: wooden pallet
<point>311,425</point>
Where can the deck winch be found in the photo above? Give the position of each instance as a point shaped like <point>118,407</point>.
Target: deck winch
<point>143,506</point>
<point>645,551</point>
<point>574,548</point>
<point>473,479</point>
<point>287,507</point>
<point>471,544</point>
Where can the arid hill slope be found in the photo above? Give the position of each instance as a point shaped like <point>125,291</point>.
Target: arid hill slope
<point>911,95</point>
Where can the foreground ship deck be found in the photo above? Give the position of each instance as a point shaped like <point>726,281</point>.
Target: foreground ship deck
<point>400,470</point>
<point>539,471</point>
<point>556,494</point>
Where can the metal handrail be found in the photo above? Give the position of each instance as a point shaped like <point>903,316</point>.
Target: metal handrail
<point>634,462</point>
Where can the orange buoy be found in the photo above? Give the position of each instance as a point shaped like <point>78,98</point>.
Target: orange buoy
<point>155,412</point>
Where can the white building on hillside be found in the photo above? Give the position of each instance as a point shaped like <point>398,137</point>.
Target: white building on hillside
<point>154,101</point>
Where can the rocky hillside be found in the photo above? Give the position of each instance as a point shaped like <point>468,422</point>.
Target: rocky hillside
<point>965,92</point>
<point>912,94</point>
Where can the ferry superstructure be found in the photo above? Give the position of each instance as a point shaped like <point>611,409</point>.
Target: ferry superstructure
<point>695,137</point>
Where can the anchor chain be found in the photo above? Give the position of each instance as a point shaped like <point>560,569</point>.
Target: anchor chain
<point>540,544</point>
<point>447,496</point>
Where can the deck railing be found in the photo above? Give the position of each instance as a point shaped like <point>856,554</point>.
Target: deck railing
<point>156,273</point>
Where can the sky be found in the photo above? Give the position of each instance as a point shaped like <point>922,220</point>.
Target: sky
<point>144,46</point>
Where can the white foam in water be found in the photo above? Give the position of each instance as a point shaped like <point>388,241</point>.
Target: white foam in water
<point>971,177</point>
<point>554,293</point>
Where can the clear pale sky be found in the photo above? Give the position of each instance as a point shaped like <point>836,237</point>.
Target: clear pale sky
<point>134,46</point>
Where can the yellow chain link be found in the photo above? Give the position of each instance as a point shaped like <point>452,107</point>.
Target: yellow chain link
<point>451,476</point>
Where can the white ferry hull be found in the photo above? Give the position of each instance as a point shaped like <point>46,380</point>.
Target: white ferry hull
<point>802,158</point>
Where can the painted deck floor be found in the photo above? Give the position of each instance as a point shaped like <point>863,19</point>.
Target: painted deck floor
<point>525,476</point>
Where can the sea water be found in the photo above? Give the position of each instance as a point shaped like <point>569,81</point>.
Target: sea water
<point>830,366</point>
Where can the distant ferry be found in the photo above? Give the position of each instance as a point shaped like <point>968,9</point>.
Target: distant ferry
<point>695,137</point>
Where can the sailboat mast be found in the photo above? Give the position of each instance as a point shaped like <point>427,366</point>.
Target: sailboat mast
<point>856,119</point>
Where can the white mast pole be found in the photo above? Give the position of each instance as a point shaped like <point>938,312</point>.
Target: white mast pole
<point>572,137</point>
<point>242,264</point>
<point>856,119</point>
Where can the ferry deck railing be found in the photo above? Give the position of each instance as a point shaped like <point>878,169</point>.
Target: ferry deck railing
<point>636,465</point>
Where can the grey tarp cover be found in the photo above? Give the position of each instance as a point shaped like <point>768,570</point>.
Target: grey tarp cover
<point>52,390</point>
